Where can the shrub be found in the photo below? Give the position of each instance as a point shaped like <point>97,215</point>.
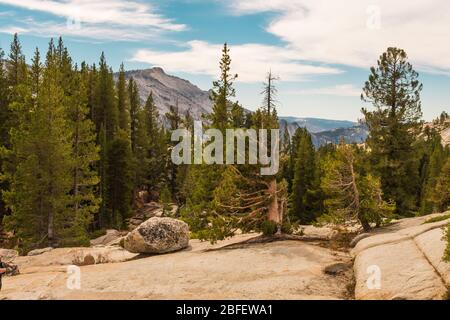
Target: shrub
<point>269,228</point>
<point>437,219</point>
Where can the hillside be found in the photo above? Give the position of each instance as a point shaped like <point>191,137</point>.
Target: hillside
<point>169,90</point>
<point>325,131</point>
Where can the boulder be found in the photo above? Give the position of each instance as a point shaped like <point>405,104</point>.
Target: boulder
<point>158,235</point>
<point>8,255</point>
<point>325,232</point>
<point>110,236</point>
<point>37,252</point>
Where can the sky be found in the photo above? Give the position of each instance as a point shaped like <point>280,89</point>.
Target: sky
<point>320,50</point>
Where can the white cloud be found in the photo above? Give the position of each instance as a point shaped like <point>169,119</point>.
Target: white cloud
<point>129,13</point>
<point>343,90</point>
<point>346,32</point>
<point>95,32</point>
<point>103,20</point>
<point>250,61</point>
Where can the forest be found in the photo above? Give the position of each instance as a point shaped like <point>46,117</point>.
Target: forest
<point>78,148</point>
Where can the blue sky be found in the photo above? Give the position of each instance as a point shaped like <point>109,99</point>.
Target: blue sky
<point>321,50</point>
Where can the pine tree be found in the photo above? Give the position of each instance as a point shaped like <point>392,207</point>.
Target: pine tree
<point>122,101</point>
<point>175,121</point>
<point>16,66</point>
<point>105,115</point>
<point>41,143</point>
<point>36,73</point>
<point>120,179</point>
<point>84,201</point>
<point>441,195</point>
<point>304,195</point>
<point>105,110</point>
<point>133,95</point>
<point>221,92</point>
<point>394,90</point>
<point>431,165</point>
<point>351,195</point>
<point>157,148</point>
<point>4,128</point>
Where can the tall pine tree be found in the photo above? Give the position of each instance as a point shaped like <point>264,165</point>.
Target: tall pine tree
<point>394,91</point>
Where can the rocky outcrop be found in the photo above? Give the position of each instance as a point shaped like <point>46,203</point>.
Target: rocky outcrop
<point>37,252</point>
<point>403,264</point>
<point>158,235</point>
<point>8,254</point>
<point>324,233</point>
<point>110,238</point>
<point>277,270</point>
<point>169,91</point>
<point>150,210</point>
<point>62,257</point>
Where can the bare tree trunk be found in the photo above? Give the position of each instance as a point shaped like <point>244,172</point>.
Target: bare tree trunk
<point>274,212</point>
<point>50,230</point>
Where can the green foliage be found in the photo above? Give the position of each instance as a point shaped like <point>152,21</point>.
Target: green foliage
<point>394,91</point>
<point>269,228</point>
<point>120,182</point>
<point>123,101</point>
<point>432,161</point>
<point>53,140</point>
<point>351,195</point>
<point>166,198</point>
<point>437,219</point>
<point>305,193</point>
<point>221,92</point>
<point>447,249</point>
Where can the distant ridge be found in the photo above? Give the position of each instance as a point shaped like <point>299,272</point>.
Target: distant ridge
<point>170,90</point>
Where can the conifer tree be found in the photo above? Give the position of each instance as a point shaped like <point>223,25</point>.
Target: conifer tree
<point>84,201</point>
<point>41,143</point>
<point>120,179</point>
<point>304,196</point>
<point>105,114</point>
<point>16,66</point>
<point>441,195</point>
<point>122,101</point>
<point>431,166</point>
<point>36,73</point>
<point>105,108</point>
<point>351,195</point>
<point>133,95</point>
<point>221,92</point>
<point>394,90</point>
<point>4,127</point>
<point>157,148</point>
<point>175,121</point>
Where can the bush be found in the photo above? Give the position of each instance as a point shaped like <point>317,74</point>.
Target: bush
<point>269,228</point>
<point>447,250</point>
<point>287,228</point>
<point>437,219</point>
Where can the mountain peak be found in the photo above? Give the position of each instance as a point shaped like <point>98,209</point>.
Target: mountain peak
<point>169,91</point>
<point>158,70</point>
